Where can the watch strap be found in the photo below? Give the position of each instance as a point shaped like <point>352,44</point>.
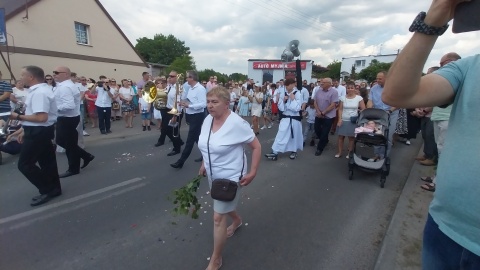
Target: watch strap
<point>420,26</point>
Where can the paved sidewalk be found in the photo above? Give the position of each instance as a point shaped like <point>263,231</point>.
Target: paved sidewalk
<point>402,245</point>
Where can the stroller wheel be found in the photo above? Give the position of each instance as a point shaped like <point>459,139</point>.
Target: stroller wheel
<point>382,182</point>
<point>350,174</point>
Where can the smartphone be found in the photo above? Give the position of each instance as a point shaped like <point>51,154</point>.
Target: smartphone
<point>466,17</point>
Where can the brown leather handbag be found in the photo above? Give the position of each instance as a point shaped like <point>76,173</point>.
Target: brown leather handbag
<point>223,189</point>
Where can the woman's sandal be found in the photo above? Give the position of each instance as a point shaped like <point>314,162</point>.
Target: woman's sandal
<point>427,179</point>
<point>234,230</point>
<point>219,265</point>
<point>428,187</point>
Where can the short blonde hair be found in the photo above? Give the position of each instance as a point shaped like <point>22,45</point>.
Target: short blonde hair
<point>221,92</point>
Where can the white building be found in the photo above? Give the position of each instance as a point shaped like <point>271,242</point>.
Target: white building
<point>361,62</point>
<point>262,70</point>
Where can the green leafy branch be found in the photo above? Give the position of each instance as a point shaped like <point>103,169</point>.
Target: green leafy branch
<point>186,200</point>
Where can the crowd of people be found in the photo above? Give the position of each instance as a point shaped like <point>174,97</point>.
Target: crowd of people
<point>442,100</point>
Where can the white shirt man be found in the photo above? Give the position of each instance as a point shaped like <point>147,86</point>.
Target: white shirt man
<point>67,96</point>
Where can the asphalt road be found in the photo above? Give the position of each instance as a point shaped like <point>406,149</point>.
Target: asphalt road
<point>297,214</point>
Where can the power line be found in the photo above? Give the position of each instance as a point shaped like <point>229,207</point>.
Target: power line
<point>293,17</point>
<point>314,18</point>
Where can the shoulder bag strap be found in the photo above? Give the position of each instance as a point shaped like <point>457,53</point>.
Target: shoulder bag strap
<point>208,150</point>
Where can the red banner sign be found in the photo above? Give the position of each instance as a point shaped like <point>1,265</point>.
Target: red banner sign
<point>277,65</point>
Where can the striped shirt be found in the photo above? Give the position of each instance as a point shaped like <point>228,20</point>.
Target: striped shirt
<point>5,104</point>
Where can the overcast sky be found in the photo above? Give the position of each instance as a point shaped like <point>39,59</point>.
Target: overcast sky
<point>223,34</point>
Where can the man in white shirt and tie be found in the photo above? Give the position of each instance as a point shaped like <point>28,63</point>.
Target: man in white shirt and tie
<point>67,97</point>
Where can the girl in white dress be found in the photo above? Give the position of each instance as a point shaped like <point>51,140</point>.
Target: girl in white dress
<point>224,157</point>
<point>256,100</point>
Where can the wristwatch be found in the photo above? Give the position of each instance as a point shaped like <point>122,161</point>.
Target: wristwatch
<point>419,26</point>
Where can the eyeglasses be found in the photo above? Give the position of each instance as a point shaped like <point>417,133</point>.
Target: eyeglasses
<point>58,72</point>
<point>48,79</point>
<point>189,77</point>
<point>172,76</point>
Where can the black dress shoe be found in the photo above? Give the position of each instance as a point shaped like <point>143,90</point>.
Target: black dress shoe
<point>109,131</point>
<point>87,161</point>
<point>67,174</point>
<point>177,165</point>
<point>173,153</point>
<point>41,200</point>
<point>182,142</point>
<point>52,194</point>
<point>200,159</point>
<point>318,152</point>
<point>103,132</point>
<point>159,144</point>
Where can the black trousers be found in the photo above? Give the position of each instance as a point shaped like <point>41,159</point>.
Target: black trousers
<point>37,147</point>
<point>195,122</point>
<point>322,128</point>
<point>67,137</point>
<point>429,146</point>
<point>104,114</point>
<point>169,131</point>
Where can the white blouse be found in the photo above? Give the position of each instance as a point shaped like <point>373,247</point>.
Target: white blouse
<point>226,147</point>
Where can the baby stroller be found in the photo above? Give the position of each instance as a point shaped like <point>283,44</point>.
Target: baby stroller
<point>377,137</point>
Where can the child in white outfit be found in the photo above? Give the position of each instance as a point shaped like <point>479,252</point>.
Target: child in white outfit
<point>309,129</point>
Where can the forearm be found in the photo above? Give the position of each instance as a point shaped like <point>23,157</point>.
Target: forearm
<point>198,105</point>
<point>316,107</point>
<point>294,106</point>
<point>17,132</point>
<point>4,96</point>
<point>403,78</point>
<point>256,154</point>
<point>36,118</point>
<point>329,108</point>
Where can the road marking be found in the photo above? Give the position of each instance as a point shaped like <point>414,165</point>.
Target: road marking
<point>73,207</point>
<point>67,201</point>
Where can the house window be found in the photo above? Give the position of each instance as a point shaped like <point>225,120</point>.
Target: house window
<point>81,33</point>
<point>359,63</point>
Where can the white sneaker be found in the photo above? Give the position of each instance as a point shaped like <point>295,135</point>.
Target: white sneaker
<point>85,133</point>
<point>270,126</point>
<point>407,142</point>
<point>264,127</point>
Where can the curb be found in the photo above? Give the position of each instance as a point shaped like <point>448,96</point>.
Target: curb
<point>402,245</point>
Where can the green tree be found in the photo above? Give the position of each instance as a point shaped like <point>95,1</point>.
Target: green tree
<point>204,75</point>
<point>161,49</point>
<point>236,77</point>
<point>370,73</point>
<point>333,70</point>
<point>353,73</point>
<point>182,64</point>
